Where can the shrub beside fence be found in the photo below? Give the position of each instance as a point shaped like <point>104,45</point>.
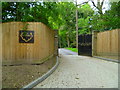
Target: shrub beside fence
<point>106,44</point>
<point>14,52</point>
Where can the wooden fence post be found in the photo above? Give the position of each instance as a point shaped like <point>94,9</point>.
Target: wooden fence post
<point>56,42</point>
<point>94,43</point>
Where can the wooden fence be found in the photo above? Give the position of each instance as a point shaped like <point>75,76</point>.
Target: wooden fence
<point>0,42</point>
<point>107,44</point>
<point>15,52</point>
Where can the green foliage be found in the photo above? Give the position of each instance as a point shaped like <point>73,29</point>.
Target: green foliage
<point>84,23</point>
<point>67,27</point>
<point>61,16</point>
<point>25,26</point>
<point>73,49</point>
<point>109,20</point>
<point>100,22</point>
<point>84,11</point>
<point>28,11</point>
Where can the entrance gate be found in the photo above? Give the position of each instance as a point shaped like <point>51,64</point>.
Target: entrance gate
<point>85,44</point>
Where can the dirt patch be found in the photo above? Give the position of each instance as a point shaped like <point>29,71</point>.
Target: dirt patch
<point>19,76</point>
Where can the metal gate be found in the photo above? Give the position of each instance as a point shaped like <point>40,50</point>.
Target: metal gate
<point>85,44</point>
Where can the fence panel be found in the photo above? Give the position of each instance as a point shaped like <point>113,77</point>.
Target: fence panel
<point>108,44</point>
<point>14,52</point>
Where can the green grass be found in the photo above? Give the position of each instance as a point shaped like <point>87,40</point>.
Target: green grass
<point>73,49</point>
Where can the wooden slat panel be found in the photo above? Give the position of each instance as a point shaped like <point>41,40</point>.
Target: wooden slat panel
<point>15,52</point>
<point>118,44</point>
<point>107,44</point>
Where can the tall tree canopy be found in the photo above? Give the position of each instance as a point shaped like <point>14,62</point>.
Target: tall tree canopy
<point>109,20</point>
<point>61,16</point>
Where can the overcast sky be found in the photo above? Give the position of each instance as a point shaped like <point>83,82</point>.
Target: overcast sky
<point>105,5</point>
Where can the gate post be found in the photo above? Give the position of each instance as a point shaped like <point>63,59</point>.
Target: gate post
<point>56,42</point>
<point>94,43</point>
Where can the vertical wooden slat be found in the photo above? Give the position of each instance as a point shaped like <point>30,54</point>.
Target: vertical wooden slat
<point>118,44</point>
<point>16,52</point>
<point>2,48</point>
<point>7,43</point>
<point>107,44</point>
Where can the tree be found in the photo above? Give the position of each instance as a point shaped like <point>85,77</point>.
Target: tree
<point>109,20</point>
<point>61,16</point>
<point>98,6</point>
<point>85,14</point>
<point>56,15</point>
<point>76,26</point>
<point>68,23</point>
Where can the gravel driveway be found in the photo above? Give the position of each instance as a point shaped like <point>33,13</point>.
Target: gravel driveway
<point>63,51</point>
<point>82,72</point>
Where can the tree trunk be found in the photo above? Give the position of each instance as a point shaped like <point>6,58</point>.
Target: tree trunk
<point>76,26</point>
<point>68,41</point>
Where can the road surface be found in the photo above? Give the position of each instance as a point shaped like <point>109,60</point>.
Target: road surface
<point>82,72</point>
<point>63,51</point>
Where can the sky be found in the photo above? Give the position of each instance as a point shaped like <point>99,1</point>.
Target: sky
<point>105,5</point>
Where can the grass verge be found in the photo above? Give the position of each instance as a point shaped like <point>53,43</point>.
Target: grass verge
<point>73,49</point>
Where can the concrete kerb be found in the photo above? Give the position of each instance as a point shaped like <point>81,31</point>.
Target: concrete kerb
<point>113,60</point>
<point>40,79</point>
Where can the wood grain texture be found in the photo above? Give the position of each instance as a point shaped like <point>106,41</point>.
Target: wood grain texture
<point>107,44</point>
<point>14,52</point>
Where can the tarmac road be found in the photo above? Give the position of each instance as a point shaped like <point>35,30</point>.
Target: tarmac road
<point>63,51</point>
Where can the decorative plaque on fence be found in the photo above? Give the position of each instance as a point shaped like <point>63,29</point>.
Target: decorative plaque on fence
<point>26,36</point>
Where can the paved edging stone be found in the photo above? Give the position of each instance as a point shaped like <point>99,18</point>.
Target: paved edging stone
<point>40,79</point>
<point>113,60</point>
